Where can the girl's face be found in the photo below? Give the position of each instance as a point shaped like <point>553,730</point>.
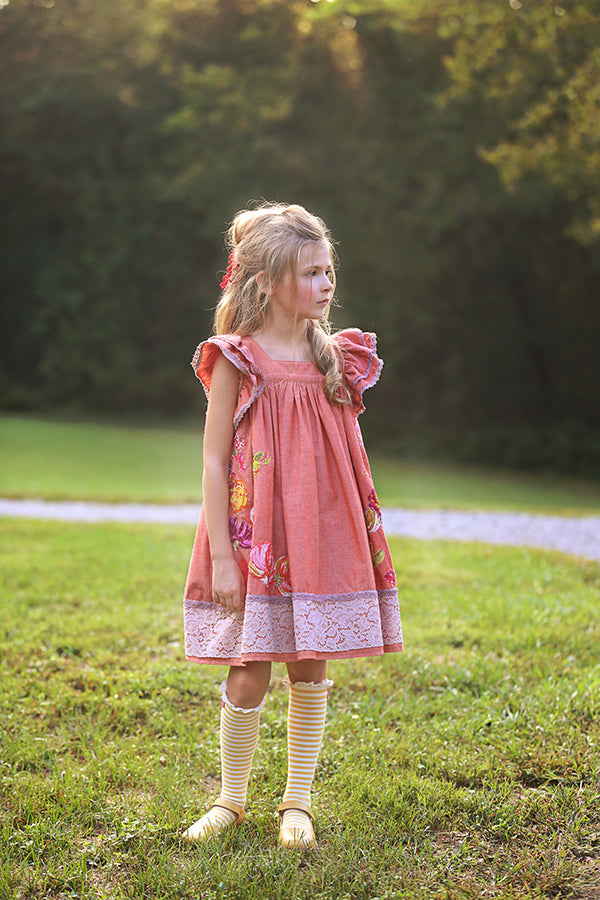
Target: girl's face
<point>308,294</point>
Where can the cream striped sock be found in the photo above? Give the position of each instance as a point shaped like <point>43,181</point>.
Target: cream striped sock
<point>306,722</point>
<point>238,738</point>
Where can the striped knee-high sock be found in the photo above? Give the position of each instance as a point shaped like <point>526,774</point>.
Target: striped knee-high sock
<point>238,738</point>
<point>306,722</point>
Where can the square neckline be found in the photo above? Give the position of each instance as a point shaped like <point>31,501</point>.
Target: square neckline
<point>294,362</point>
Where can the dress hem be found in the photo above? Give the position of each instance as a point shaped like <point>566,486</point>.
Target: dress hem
<point>296,657</point>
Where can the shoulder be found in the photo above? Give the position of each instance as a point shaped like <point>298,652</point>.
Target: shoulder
<point>225,344</point>
<point>236,349</point>
<point>353,340</point>
<point>359,352</point>
<point>240,352</point>
<point>361,364</point>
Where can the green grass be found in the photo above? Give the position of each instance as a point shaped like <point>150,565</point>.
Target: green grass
<point>468,766</point>
<point>448,486</point>
<point>58,460</point>
<point>62,460</point>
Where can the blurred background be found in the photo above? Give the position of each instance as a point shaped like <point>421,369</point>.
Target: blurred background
<point>452,147</point>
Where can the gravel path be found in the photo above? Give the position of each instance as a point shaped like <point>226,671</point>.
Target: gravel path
<point>578,536</point>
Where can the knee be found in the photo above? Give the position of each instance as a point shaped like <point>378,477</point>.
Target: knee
<point>308,670</point>
<point>247,685</point>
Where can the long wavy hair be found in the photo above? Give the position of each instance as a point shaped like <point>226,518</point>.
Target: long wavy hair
<point>269,239</point>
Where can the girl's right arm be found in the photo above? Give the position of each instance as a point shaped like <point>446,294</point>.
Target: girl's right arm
<point>228,584</point>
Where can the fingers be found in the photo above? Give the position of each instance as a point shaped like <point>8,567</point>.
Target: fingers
<point>230,601</point>
<point>231,604</point>
<point>229,586</point>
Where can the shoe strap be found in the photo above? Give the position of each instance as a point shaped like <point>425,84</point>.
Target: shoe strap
<point>296,804</point>
<point>240,811</point>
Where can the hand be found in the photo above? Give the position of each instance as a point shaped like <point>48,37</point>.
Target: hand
<point>229,587</point>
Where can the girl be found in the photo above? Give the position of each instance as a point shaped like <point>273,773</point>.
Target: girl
<point>290,563</point>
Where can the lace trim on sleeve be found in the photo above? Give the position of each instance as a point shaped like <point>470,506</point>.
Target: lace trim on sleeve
<point>374,366</point>
<point>362,366</point>
<point>251,386</point>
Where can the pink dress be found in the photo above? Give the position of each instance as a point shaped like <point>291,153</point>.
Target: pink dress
<point>305,523</point>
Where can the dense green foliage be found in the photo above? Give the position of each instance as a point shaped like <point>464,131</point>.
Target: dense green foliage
<point>452,147</point>
<point>465,767</point>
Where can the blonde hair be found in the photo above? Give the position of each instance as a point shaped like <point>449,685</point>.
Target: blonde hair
<point>269,240</point>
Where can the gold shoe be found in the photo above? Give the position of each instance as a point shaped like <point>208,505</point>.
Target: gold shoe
<point>294,837</point>
<point>204,828</point>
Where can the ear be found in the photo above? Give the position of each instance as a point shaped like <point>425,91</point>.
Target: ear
<point>264,285</point>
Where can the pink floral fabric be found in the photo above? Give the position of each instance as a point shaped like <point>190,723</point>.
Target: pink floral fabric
<point>305,523</point>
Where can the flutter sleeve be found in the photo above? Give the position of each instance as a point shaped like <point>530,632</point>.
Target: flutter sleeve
<point>252,380</point>
<point>362,366</point>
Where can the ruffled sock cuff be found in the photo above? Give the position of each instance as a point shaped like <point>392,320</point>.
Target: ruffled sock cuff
<point>308,684</point>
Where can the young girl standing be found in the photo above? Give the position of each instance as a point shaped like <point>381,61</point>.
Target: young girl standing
<point>290,563</point>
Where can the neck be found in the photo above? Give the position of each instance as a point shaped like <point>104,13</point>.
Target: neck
<point>284,338</point>
<point>284,329</point>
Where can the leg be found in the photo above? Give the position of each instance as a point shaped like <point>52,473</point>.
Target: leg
<point>307,670</point>
<point>240,720</point>
<point>306,723</point>
<point>247,685</point>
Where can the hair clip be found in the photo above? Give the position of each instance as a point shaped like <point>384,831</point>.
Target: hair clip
<point>232,266</point>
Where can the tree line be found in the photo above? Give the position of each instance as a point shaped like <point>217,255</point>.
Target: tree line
<point>452,147</point>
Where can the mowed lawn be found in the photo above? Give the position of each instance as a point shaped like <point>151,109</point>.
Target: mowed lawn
<point>77,460</point>
<point>466,767</point>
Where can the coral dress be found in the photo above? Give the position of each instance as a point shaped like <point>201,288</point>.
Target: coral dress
<point>305,523</point>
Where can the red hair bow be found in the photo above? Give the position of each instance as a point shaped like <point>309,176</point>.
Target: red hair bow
<point>232,266</point>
